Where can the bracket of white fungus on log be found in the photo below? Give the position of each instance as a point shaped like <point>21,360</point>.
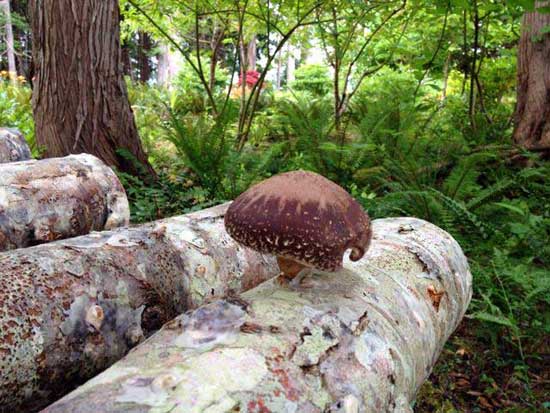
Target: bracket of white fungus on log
<point>363,339</point>
<point>55,198</point>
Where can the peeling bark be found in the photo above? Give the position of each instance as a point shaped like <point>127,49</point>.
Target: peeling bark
<point>50,199</point>
<point>71,308</point>
<point>13,146</point>
<point>360,340</point>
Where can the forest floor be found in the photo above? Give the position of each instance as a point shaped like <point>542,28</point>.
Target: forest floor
<point>471,377</point>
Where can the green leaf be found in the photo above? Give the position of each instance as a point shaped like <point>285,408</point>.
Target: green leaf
<point>497,319</point>
<point>510,207</point>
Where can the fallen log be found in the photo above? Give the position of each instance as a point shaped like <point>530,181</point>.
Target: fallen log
<point>360,340</point>
<point>56,198</point>
<point>71,308</point>
<point>13,146</point>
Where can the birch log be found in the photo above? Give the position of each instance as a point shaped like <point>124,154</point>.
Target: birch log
<point>71,308</point>
<point>13,146</point>
<point>56,198</point>
<point>361,340</point>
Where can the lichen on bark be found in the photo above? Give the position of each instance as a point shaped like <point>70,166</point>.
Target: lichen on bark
<point>71,308</point>
<point>359,340</point>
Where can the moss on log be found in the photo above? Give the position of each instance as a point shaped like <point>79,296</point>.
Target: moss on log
<point>50,199</point>
<point>71,308</point>
<point>13,146</point>
<point>360,340</point>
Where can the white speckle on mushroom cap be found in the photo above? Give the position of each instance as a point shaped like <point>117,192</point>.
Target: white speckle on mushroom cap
<point>313,220</point>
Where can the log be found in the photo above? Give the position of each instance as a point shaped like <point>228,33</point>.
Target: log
<point>71,308</point>
<point>50,199</point>
<point>360,340</point>
<point>13,146</point>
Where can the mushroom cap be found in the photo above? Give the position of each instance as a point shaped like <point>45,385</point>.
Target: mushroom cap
<point>302,216</point>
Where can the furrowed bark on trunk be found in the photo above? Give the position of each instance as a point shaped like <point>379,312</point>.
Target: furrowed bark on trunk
<point>145,44</point>
<point>532,129</point>
<point>50,199</point>
<point>80,101</point>
<point>360,340</point>
<point>69,309</point>
<point>13,146</point>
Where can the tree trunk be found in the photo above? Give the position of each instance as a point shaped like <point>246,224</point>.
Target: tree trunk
<point>360,340</point>
<point>170,63</point>
<point>218,35</point>
<point>279,67</point>
<point>446,66</point>
<point>42,201</point>
<point>23,39</point>
<point>127,61</point>
<point>80,100</point>
<point>532,117</point>
<point>71,308</point>
<point>163,69</point>
<point>290,66</point>
<point>251,54</point>
<point>144,63</point>
<point>13,146</point>
<point>10,44</point>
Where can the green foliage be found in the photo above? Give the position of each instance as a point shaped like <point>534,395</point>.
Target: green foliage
<point>313,78</point>
<point>150,113</point>
<point>170,195</point>
<point>16,110</point>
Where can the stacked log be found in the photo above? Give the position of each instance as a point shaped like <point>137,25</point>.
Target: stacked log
<point>360,340</point>
<point>71,308</point>
<point>50,199</point>
<point>13,146</point>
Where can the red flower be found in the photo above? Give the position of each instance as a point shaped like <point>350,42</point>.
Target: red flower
<point>252,77</point>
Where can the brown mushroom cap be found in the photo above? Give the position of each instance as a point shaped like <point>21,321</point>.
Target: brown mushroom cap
<point>301,216</point>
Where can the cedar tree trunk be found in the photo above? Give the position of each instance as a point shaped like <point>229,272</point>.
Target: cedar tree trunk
<point>532,129</point>
<point>144,63</point>
<point>80,100</point>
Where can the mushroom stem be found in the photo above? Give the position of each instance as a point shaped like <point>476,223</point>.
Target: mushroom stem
<point>289,268</point>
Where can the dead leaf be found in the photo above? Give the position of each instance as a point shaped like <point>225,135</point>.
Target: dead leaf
<point>463,383</point>
<point>462,352</point>
<point>485,403</point>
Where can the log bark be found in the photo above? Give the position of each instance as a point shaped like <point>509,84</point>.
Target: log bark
<point>13,146</point>
<point>50,199</point>
<point>71,308</point>
<point>532,126</point>
<point>80,101</point>
<point>361,340</point>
